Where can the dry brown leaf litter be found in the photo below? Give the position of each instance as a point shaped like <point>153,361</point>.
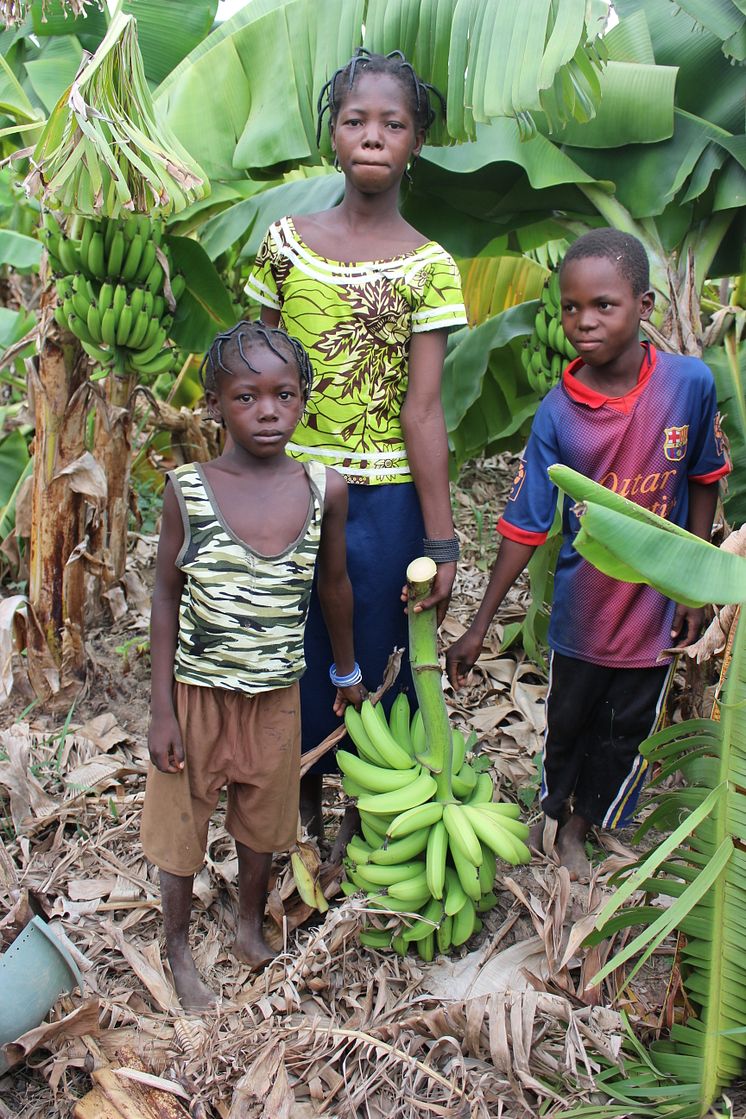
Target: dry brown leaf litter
<point>328,1029</point>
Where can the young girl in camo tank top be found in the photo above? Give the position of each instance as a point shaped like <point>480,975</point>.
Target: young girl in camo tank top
<point>239,541</point>
<point>372,300</point>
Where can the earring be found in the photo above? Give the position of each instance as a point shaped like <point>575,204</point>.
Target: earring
<point>336,164</point>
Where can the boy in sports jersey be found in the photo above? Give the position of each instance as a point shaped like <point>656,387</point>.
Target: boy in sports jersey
<point>239,541</point>
<point>644,424</point>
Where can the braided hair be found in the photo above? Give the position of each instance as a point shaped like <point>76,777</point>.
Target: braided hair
<point>233,345</point>
<point>625,252</point>
<point>396,66</point>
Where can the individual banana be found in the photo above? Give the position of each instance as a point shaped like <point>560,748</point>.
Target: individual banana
<point>414,890</point>
<point>464,782</point>
<point>304,881</point>
<point>96,354</point>
<point>178,287</point>
<point>415,793</point>
<point>435,859</point>
<point>503,808</point>
<point>468,873</point>
<point>490,830</point>
<point>426,947</point>
<point>115,256</point>
<point>124,325</point>
<point>422,816</point>
<point>137,332</point>
<point>487,870</point>
<point>430,918</point>
<point>461,834</point>
<point>377,876</point>
<point>96,257</point>
<point>132,256</point>
<point>109,327</point>
<point>464,923</point>
<point>68,253</point>
<point>458,748</point>
<point>487,902</point>
<point>455,896</point>
<point>93,322</point>
<point>399,720</point>
<point>78,327</point>
<point>359,851</point>
<point>375,778</point>
<point>359,736</point>
<point>375,938</point>
<point>444,934</point>
<point>143,356</point>
<point>483,790</point>
<point>146,262</point>
<point>401,850</point>
<point>394,755</point>
<point>374,832</point>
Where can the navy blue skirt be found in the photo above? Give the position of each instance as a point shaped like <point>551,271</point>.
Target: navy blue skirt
<point>384,534</point>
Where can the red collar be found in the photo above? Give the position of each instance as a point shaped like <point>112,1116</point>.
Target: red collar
<point>583,395</point>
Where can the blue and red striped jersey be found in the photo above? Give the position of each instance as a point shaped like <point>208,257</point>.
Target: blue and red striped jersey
<point>648,446</point>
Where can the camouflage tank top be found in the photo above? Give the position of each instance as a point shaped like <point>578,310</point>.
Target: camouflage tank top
<point>242,614</point>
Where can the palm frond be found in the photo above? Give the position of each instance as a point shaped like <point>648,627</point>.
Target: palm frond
<point>701,866</point>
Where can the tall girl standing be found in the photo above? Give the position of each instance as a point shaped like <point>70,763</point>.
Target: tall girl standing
<point>372,300</point>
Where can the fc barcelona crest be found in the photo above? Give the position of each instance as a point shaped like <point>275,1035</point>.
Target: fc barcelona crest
<point>518,481</point>
<point>674,445</point>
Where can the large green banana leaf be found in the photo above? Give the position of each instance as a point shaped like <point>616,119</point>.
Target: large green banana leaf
<point>239,107</point>
<point>727,364</point>
<point>701,866</point>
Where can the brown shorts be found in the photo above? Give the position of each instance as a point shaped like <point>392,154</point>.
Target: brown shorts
<point>247,744</point>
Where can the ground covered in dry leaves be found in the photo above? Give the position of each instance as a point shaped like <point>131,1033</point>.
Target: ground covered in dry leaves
<point>507,1026</point>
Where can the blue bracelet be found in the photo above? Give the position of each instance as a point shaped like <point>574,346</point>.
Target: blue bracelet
<point>354,677</point>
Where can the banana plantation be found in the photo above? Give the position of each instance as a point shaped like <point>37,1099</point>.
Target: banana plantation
<point>441,969</point>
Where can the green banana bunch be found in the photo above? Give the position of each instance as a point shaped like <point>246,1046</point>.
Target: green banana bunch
<point>117,292</point>
<point>546,353</point>
<point>103,151</point>
<point>428,861</point>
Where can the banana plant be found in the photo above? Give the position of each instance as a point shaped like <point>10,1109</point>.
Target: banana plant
<point>701,865</point>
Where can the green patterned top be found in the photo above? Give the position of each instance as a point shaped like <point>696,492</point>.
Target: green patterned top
<point>242,614</point>
<point>355,321</point>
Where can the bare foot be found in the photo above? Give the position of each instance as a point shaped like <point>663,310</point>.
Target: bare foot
<point>571,851</point>
<point>350,826</point>
<point>251,948</point>
<point>193,993</point>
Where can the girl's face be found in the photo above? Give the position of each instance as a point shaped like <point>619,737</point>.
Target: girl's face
<point>374,133</point>
<point>260,410</point>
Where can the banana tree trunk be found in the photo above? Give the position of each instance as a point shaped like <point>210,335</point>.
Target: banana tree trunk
<point>112,449</point>
<point>56,654</point>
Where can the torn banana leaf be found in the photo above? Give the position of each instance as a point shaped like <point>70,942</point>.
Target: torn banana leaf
<point>624,541</point>
<point>103,151</point>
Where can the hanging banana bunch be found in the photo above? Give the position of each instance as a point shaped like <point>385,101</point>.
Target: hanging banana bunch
<point>15,11</point>
<point>547,351</point>
<point>103,152</point>
<point>116,292</point>
<point>431,831</point>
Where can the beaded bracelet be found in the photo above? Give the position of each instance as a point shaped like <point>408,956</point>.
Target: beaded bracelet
<point>354,677</point>
<point>442,551</point>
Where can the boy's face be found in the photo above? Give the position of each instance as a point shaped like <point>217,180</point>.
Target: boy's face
<point>260,410</point>
<point>600,314</point>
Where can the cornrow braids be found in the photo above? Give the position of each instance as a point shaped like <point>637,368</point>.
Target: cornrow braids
<point>396,66</point>
<point>233,345</point>
<point>625,252</point>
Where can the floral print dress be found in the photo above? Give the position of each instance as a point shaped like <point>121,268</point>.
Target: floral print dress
<point>356,321</point>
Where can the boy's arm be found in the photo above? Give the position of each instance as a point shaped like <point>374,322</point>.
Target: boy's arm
<point>426,441</point>
<point>687,620</point>
<point>334,587</point>
<point>464,653</point>
<point>164,737</point>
